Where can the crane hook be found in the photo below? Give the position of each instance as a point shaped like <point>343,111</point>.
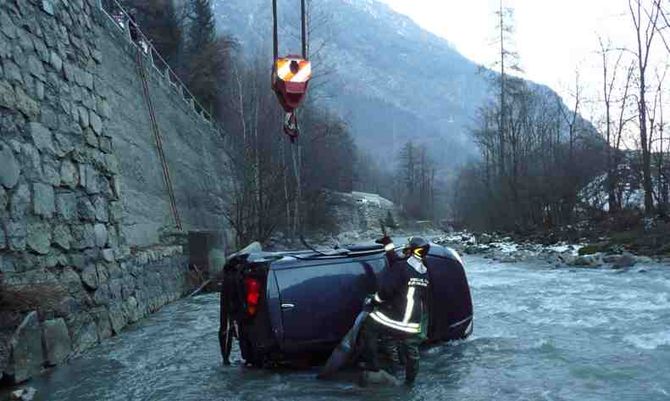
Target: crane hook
<point>290,76</point>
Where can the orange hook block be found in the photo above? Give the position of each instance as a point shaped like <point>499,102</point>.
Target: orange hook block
<point>290,80</point>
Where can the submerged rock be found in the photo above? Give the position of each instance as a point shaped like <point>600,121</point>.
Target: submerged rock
<point>24,394</point>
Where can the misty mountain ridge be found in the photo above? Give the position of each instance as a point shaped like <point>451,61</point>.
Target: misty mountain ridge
<point>391,80</point>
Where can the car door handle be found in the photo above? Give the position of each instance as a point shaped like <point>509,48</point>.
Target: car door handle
<point>287,306</point>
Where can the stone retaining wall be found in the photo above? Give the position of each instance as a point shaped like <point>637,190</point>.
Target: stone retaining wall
<point>194,149</point>
<point>98,301</point>
<point>82,198</point>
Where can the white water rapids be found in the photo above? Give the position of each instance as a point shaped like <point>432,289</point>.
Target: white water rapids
<point>540,334</point>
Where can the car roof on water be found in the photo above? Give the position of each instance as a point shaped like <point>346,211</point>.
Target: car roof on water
<point>310,258</point>
<point>356,252</point>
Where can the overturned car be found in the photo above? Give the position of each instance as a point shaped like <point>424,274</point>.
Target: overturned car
<point>297,306</point>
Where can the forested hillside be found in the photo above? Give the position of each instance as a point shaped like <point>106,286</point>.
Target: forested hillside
<point>389,79</point>
<point>394,110</point>
<point>544,170</point>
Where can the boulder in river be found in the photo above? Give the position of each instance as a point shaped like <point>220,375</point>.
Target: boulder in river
<point>476,249</point>
<point>57,344</point>
<point>25,358</point>
<point>645,260</point>
<point>567,258</point>
<point>588,261</point>
<point>620,261</point>
<point>484,239</point>
<point>24,394</point>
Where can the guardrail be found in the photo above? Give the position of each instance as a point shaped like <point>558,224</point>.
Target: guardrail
<point>126,23</point>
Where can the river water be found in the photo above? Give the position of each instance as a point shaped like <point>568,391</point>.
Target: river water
<point>540,334</point>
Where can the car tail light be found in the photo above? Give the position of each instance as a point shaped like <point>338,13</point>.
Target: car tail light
<point>253,291</point>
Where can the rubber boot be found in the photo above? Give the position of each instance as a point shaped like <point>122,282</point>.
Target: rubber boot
<point>412,361</point>
<point>390,348</point>
<point>411,371</point>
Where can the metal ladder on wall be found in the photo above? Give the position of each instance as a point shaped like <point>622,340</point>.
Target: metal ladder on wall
<point>157,136</point>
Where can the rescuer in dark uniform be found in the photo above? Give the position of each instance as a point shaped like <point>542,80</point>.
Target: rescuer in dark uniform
<point>398,309</point>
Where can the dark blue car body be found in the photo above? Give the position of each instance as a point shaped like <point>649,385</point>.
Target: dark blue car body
<point>308,301</point>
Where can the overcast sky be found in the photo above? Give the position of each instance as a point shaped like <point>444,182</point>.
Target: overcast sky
<point>553,37</point>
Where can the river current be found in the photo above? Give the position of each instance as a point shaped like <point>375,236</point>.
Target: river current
<point>540,334</point>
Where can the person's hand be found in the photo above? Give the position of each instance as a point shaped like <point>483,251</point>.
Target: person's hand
<point>368,306</point>
<point>387,242</point>
<point>369,303</point>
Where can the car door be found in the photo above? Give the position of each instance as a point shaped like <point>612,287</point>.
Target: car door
<point>319,302</point>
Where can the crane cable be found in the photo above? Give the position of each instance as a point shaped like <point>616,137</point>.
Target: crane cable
<point>291,127</point>
<point>303,28</point>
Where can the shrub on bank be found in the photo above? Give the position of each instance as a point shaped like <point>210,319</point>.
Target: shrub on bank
<point>16,300</point>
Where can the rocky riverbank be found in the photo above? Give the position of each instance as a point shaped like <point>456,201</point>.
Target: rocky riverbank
<point>499,247</point>
<point>562,254</point>
<point>345,238</point>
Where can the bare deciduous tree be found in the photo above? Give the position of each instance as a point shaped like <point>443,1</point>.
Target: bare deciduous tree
<point>645,18</point>
<point>616,85</point>
<point>417,170</point>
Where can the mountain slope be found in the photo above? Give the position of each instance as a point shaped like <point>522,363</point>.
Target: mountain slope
<point>391,80</point>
